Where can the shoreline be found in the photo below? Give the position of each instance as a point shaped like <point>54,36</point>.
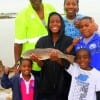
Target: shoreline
<point>7,15</point>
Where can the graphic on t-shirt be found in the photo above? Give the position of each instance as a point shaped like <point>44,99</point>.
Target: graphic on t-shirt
<point>81,87</point>
<point>82,77</point>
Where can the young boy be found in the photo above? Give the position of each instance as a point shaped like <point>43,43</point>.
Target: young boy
<point>23,84</point>
<point>85,80</point>
<point>90,40</point>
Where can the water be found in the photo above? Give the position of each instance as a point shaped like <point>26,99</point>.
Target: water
<point>7,41</point>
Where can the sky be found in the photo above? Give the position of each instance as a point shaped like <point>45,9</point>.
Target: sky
<point>15,5</point>
<point>87,7</point>
<point>12,5</point>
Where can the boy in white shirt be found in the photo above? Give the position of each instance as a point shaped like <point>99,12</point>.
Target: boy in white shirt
<point>85,79</point>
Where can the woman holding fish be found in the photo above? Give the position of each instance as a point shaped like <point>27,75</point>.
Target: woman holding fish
<point>54,82</point>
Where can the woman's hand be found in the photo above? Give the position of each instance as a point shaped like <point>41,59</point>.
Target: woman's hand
<point>36,58</point>
<point>54,57</point>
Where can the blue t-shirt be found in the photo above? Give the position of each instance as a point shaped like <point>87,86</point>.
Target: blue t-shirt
<point>94,47</point>
<point>70,29</point>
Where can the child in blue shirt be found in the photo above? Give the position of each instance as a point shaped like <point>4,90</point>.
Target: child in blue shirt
<point>90,40</point>
<point>71,19</point>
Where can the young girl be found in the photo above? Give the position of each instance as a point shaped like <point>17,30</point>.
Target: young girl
<point>85,80</point>
<point>71,19</point>
<point>52,78</point>
<point>23,84</point>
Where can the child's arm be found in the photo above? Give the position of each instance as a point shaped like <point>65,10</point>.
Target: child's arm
<point>75,41</point>
<point>5,81</point>
<point>98,95</point>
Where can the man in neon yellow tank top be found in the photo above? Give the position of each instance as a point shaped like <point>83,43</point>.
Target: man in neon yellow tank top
<point>30,25</point>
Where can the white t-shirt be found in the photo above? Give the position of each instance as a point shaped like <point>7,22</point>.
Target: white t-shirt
<point>84,83</point>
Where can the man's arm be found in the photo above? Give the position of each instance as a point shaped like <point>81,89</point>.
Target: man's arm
<point>17,51</point>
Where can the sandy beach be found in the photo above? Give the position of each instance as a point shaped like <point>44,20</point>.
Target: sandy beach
<point>5,94</point>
